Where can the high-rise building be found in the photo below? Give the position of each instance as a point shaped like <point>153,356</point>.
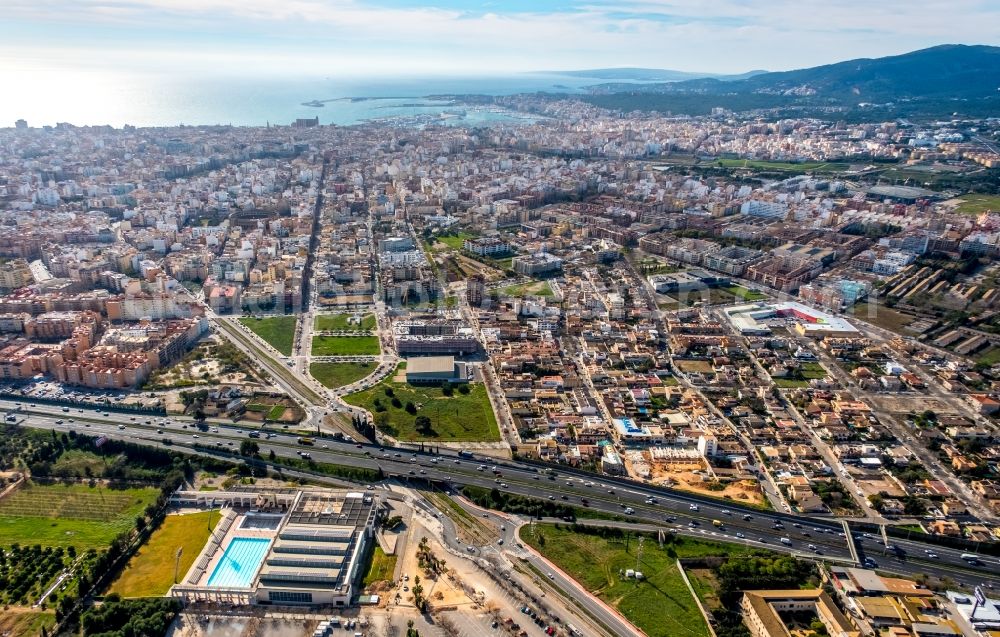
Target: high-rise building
<point>475,290</point>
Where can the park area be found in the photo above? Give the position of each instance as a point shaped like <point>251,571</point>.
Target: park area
<point>277,331</point>
<point>345,346</point>
<point>340,374</point>
<point>464,415</point>
<point>70,514</point>
<point>150,572</point>
<point>345,323</point>
<point>661,604</point>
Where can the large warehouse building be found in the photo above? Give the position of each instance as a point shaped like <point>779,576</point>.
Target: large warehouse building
<point>754,319</point>
<point>281,546</point>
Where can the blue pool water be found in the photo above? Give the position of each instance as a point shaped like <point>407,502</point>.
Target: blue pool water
<point>240,562</point>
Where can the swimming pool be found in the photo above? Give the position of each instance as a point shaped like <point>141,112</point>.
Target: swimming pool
<point>240,562</point>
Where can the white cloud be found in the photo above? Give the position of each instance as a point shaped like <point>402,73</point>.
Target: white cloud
<point>720,36</point>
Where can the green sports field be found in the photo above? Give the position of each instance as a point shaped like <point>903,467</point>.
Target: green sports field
<point>150,572</point>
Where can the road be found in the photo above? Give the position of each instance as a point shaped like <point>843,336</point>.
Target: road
<point>928,459</point>
<point>508,549</point>
<point>672,509</point>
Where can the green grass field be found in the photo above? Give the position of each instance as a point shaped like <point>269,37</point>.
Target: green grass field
<point>457,240</point>
<point>343,323</point>
<point>70,515</point>
<point>882,316</point>
<point>345,345</point>
<point>22,622</point>
<point>989,357</point>
<point>275,412</point>
<point>745,294</point>
<point>973,204</point>
<point>661,605</point>
<point>459,417</point>
<point>150,572</point>
<point>810,371</point>
<point>278,331</point>
<point>381,569</point>
<point>77,462</point>
<point>537,288</point>
<point>784,166</point>
<point>340,374</point>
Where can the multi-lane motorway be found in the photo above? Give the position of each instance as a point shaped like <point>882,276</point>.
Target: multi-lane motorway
<point>679,512</point>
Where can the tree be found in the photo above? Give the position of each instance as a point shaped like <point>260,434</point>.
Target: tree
<point>423,424</point>
<point>410,407</point>
<point>446,388</point>
<point>249,448</point>
<point>271,455</point>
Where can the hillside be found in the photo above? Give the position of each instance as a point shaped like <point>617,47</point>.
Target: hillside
<point>626,74</point>
<point>933,82</point>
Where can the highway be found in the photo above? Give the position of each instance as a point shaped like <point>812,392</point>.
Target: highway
<point>673,510</point>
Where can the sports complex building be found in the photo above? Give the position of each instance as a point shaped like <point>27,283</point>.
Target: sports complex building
<point>756,319</point>
<point>280,546</point>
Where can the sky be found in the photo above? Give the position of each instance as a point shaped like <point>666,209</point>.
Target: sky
<point>471,37</point>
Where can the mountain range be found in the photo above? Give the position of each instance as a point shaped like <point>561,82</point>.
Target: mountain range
<point>650,75</point>
<point>934,81</point>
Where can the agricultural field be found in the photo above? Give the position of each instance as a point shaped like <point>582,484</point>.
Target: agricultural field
<point>660,605</point>
<point>70,515</point>
<point>345,346</point>
<point>277,331</point>
<point>882,316</point>
<point>344,323</point>
<point>458,417</point>
<point>340,374</point>
<point>150,572</point>
<point>25,622</point>
<point>27,571</point>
